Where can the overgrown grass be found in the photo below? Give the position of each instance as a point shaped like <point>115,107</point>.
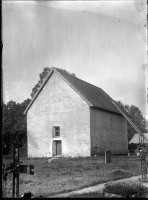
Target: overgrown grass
<point>69,174</point>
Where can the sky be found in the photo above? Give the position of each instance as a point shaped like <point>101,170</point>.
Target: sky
<point>102,42</point>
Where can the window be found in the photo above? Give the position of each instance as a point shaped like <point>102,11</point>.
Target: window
<point>56,131</point>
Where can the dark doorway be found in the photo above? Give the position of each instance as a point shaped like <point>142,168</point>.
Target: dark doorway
<point>56,147</point>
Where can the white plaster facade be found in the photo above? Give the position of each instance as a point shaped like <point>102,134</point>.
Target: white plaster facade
<point>82,127</point>
<point>58,105</point>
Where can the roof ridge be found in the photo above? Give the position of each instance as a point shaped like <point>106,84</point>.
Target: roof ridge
<point>85,82</point>
<point>93,95</point>
<point>79,78</point>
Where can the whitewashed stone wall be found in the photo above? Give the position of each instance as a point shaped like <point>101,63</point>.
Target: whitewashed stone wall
<point>58,105</point>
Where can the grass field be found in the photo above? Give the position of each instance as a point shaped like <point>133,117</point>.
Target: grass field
<point>68,174</point>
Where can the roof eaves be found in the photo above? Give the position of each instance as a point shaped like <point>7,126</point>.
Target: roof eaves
<point>49,75</point>
<point>109,111</point>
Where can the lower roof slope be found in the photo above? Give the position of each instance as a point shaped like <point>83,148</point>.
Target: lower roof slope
<point>95,95</point>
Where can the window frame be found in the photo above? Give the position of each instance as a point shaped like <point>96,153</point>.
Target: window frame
<point>56,131</point>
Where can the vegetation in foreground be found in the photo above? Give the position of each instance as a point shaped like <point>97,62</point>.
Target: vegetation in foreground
<point>125,188</point>
<point>69,174</point>
<point>117,190</point>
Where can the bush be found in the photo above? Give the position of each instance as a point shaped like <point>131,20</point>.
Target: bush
<point>125,188</point>
<point>120,173</point>
<point>6,188</point>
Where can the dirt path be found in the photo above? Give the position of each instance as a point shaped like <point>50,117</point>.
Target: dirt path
<point>97,188</point>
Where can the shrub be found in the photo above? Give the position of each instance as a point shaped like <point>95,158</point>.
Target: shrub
<point>6,188</point>
<point>143,180</point>
<point>120,173</point>
<point>125,188</point>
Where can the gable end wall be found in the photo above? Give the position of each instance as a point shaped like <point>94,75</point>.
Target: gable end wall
<point>58,105</point>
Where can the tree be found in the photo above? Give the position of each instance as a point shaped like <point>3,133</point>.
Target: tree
<point>14,123</point>
<point>42,76</point>
<point>135,116</point>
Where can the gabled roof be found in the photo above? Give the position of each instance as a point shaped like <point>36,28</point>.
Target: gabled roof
<point>94,96</point>
<point>135,138</point>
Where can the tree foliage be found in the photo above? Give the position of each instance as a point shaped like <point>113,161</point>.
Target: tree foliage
<point>14,128</point>
<point>135,116</point>
<point>42,76</point>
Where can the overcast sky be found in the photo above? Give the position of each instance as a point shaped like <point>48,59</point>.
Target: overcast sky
<point>102,42</point>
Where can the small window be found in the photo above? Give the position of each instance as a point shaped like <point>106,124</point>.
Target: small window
<point>56,131</point>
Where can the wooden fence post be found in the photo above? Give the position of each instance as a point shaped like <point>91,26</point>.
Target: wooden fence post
<point>15,190</point>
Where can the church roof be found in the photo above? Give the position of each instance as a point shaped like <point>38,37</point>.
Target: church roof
<point>92,94</point>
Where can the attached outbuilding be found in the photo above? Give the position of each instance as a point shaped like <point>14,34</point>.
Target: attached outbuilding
<point>71,117</point>
<point>136,139</point>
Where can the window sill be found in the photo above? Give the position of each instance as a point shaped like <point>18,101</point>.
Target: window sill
<point>56,138</point>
